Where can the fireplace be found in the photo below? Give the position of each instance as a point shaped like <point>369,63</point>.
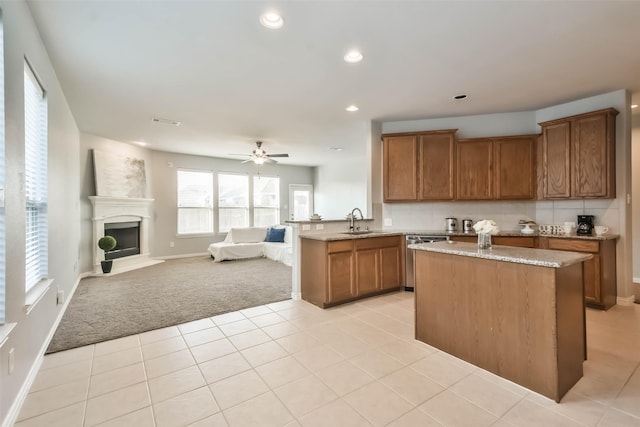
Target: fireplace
<point>126,219</point>
<point>127,235</point>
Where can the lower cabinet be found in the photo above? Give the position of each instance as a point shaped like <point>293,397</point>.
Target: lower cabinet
<point>334,272</point>
<point>599,273</point>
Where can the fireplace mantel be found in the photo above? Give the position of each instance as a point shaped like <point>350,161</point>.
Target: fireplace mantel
<point>120,209</point>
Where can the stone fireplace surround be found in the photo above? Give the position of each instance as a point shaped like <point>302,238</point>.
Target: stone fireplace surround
<point>121,209</point>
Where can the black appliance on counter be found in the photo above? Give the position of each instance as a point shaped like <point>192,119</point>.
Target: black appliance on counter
<point>585,224</point>
<point>411,239</point>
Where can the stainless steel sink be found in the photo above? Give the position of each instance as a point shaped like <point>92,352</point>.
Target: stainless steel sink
<point>355,233</point>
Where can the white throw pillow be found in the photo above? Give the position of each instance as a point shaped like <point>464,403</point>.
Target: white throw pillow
<point>248,234</point>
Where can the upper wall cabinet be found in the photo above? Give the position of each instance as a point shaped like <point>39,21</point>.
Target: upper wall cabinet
<point>578,156</point>
<point>419,166</point>
<point>501,168</point>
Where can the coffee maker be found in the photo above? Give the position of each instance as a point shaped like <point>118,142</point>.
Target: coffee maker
<point>585,224</point>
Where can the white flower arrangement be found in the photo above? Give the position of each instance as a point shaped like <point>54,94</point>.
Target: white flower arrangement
<point>486,226</point>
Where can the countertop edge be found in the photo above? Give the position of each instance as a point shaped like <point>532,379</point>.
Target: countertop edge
<point>529,256</point>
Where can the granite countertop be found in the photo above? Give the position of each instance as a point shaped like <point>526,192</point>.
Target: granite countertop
<point>513,233</point>
<point>336,235</point>
<point>537,257</point>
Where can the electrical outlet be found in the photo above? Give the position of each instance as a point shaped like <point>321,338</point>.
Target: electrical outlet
<point>60,297</point>
<point>306,227</point>
<point>388,222</point>
<point>319,226</point>
<point>172,244</point>
<point>11,362</point>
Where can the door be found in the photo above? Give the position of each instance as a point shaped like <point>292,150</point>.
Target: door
<point>474,174</point>
<point>437,165</point>
<point>300,202</point>
<point>400,175</point>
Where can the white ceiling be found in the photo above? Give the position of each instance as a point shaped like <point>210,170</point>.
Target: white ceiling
<point>230,81</point>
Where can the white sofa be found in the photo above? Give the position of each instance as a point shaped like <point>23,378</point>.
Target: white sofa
<point>248,242</point>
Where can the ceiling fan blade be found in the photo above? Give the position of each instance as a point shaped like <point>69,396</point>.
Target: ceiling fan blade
<point>235,154</point>
<point>268,160</point>
<point>247,161</point>
<point>277,155</point>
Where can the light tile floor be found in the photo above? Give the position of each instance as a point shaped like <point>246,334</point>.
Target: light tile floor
<point>293,364</point>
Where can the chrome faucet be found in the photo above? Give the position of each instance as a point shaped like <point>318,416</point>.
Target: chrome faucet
<point>352,219</point>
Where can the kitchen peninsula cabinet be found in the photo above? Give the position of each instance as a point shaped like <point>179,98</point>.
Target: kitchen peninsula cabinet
<point>500,168</point>
<point>419,166</point>
<point>599,273</point>
<point>338,271</point>
<point>578,156</point>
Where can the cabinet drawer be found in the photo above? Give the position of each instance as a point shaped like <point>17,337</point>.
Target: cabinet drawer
<point>574,245</point>
<point>340,246</point>
<point>521,242</point>
<point>378,242</point>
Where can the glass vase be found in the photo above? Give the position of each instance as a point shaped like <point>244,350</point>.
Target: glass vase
<point>484,241</point>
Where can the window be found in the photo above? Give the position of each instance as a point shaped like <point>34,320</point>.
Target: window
<point>2,251</point>
<point>266,201</point>
<point>35,116</point>
<point>195,202</point>
<point>233,201</point>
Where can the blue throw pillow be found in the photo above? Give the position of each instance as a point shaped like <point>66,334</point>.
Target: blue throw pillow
<point>275,235</point>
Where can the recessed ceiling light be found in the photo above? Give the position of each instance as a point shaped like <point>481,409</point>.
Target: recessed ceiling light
<point>461,96</point>
<point>352,108</point>
<point>165,121</point>
<point>141,143</point>
<point>634,105</point>
<point>353,56</point>
<point>271,20</point>
<point>336,148</point>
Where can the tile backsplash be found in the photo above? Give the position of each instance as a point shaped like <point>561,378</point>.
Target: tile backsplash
<point>431,215</point>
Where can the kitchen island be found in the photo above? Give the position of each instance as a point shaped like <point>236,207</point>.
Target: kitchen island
<point>516,312</point>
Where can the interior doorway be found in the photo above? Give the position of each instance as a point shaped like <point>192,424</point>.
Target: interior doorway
<point>300,202</point>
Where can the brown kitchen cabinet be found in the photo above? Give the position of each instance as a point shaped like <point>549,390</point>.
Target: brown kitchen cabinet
<point>419,166</point>
<point>517,241</point>
<point>578,156</point>
<point>599,273</point>
<point>500,168</point>
<point>335,272</point>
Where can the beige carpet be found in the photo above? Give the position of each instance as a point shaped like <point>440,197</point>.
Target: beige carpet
<point>167,294</point>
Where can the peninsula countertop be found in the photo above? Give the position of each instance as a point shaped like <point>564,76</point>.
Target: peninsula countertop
<point>537,257</point>
<point>337,235</point>
<point>509,233</point>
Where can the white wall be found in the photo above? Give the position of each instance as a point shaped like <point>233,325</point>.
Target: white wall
<point>163,174</point>
<point>635,171</point>
<point>32,330</point>
<point>88,143</point>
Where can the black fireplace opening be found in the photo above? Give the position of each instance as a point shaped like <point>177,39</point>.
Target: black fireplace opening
<point>127,235</point>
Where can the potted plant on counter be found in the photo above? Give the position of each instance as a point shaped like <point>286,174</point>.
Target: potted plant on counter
<point>107,243</point>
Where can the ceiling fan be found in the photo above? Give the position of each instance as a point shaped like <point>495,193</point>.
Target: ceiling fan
<point>260,156</point>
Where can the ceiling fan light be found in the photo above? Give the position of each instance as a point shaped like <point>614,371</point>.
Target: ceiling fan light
<point>258,160</point>
<point>271,20</point>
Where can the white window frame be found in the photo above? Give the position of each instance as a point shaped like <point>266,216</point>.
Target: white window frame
<point>257,207</point>
<point>243,208</point>
<point>2,172</point>
<point>185,206</point>
<point>36,182</point>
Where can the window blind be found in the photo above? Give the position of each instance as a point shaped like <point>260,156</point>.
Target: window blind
<point>195,202</point>
<point>35,151</point>
<point>233,201</point>
<point>266,201</point>
<point>2,229</point>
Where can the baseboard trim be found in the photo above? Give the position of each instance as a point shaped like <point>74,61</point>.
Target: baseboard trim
<point>628,301</point>
<point>15,408</point>
<point>296,295</point>
<point>182,256</point>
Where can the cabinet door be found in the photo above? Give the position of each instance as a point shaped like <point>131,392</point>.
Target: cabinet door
<point>514,160</point>
<point>391,273</point>
<point>400,168</point>
<point>591,272</point>
<point>367,271</point>
<point>591,157</point>
<point>436,166</point>
<point>341,284</point>
<point>474,174</point>
<point>556,152</point>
